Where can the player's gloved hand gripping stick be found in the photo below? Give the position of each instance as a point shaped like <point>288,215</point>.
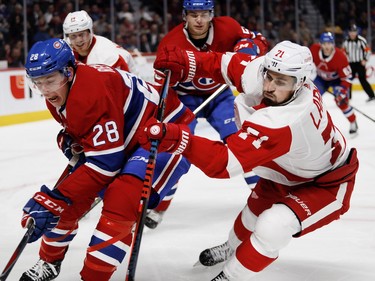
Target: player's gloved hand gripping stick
<point>30,225</point>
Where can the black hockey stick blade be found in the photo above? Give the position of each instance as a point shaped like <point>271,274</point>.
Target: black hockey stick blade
<point>147,185</point>
<point>17,252</point>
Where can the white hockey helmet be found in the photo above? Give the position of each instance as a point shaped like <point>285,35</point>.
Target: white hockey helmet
<point>290,59</point>
<point>76,22</point>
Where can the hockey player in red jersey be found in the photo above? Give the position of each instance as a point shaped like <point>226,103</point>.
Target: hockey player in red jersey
<point>203,32</point>
<point>287,136</point>
<point>101,109</point>
<point>94,49</point>
<point>333,70</point>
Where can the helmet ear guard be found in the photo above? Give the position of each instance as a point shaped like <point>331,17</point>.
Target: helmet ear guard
<point>67,72</point>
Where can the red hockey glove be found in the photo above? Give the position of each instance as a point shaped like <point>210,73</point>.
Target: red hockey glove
<point>182,63</point>
<point>262,44</point>
<point>174,138</point>
<point>341,95</point>
<point>45,208</point>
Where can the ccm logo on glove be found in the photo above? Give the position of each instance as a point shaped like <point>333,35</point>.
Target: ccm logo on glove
<point>46,202</point>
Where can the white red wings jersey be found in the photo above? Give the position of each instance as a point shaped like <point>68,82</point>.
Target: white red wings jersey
<point>104,51</point>
<point>336,66</point>
<point>289,144</point>
<point>103,117</point>
<point>224,33</point>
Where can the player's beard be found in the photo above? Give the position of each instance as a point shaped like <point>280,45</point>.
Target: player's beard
<point>269,102</point>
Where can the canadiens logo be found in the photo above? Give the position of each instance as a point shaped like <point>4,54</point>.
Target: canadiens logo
<point>200,84</point>
<point>57,44</point>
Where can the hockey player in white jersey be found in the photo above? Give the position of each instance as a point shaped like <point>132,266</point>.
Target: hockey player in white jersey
<point>94,49</point>
<point>287,136</point>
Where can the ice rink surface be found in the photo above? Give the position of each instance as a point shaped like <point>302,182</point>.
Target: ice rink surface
<point>200,216</point>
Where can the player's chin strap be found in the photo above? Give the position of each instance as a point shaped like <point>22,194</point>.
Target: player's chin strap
<point>296,92</point>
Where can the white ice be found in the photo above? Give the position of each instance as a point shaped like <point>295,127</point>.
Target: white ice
<point>200,216</point>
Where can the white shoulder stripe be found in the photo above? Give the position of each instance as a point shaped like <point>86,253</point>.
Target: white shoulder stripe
<point>104,152</point>
<point>101,171</point>
<point>173,113</point>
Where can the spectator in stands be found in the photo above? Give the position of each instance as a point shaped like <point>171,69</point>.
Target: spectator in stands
<point>16,22</point>
<point>306,38</point>
<point>2,48</point>
<point>271,34</point>
<point>287,32</point>
<point>102,27</point>
<point>126,12</point>
<point>48,15</point>
<point>16,57</point>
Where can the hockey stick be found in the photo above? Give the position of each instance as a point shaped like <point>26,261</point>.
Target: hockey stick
<point>364,114</point>
<point>210,98</point>
<point>147,184</point>
<point>26,237</point>
<point>359,111</point>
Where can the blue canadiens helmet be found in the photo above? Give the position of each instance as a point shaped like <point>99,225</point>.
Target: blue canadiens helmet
<point>198,5</point>
<point>46,57</point>
<point>327,37</point>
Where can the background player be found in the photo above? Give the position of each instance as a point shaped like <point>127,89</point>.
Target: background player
<point>333,70</point>
<point>101,109</point>
<point>307,171</point>
<point>203,32</point>
<point>94,49</point>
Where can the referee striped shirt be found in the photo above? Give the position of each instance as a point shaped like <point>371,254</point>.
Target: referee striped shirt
<point>357,49</point>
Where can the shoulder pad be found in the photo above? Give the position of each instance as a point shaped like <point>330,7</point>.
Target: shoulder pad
<point>251,79</point>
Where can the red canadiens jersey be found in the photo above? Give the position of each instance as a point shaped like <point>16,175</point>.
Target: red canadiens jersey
<point>104,109</point>
<point>336,66</point>
<point>290,144</point>
<point>224,33</point>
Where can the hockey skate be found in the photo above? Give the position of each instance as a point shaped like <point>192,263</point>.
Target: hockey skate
<point>153,219</point>
<point>353,128</point>
<point>221,277</point>
<point>215,255</point>
<point>42,271</point>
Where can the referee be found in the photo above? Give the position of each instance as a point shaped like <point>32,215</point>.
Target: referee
<point>358,53</point>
